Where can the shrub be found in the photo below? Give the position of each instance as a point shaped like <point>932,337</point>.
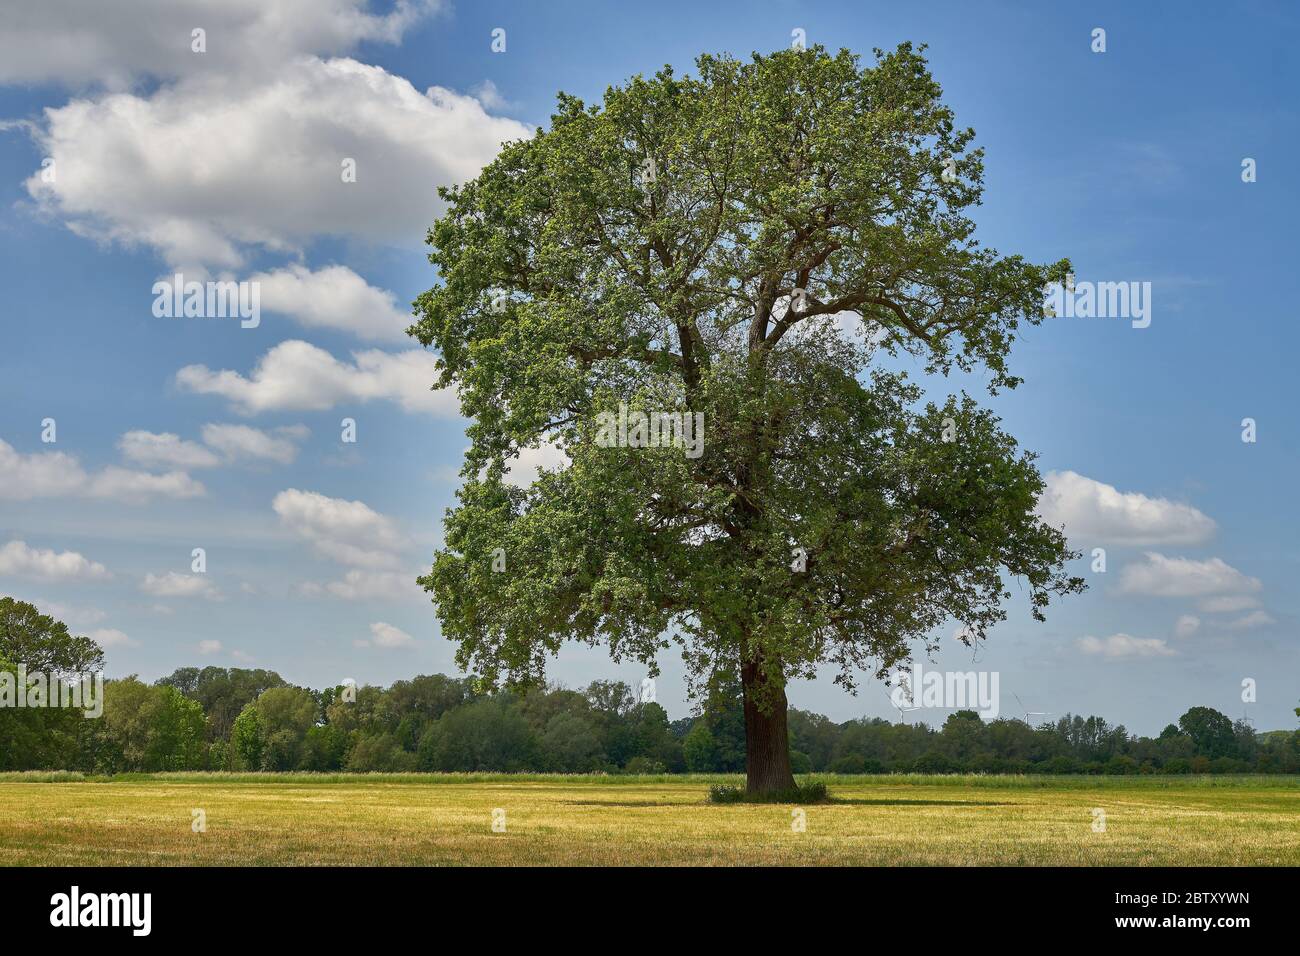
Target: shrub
<point>1121,765</point>
<point>814,792</point>
<point>932,762</point>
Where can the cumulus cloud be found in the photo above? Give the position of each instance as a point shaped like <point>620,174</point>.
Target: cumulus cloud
<point>334,298</point>
<point>73,42</point>
<point>55,474</point>
<point>350,532</point>
<point>298,376</point>
<point>243,442</point>
<point>1187,625</point>
<point>386,636</point>
<point>210,647</point>
<point>1125,645</point>
<point>123,484</point>
<point>1160,576</point>
<point>19,560</point>
<point>488,94</point>
<point>214,167</point>
<point>165,449</point>
<point>1096,511</point>
<point>110,637</point>
<point>173,584</point>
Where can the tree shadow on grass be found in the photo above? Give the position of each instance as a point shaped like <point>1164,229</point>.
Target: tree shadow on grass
<point>901,802</point>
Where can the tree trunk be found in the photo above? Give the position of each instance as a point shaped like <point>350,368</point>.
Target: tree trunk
<point>767,741</point>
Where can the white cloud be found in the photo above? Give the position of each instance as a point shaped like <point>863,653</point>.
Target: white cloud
<point>153,450</point>
<point>524,468</point>
<point>1187,625</point>
<point>122,484</point>
<point>1160,576</point>
<point>1251,620</point>
<point>73,616</point>
<point>19,560</point>
<point>175,584</point>
<point>1228,603</point>
<point>488,94</point>
<point>210,647</point>
<point>237,442</point>
<point>110,637</point>
<point>386,636</point>
<point>216,166</point>
<point>359,585</point>
<point>1125,645</point>
<point>74,42</point>
<point>296,375</point>
<point>350,532</point>
<point>54,474</point>
<point>334,298</point>
<point>1099,512</point>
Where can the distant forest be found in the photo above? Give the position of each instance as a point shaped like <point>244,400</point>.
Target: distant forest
<point>218,718</point>
<point>234,719</point>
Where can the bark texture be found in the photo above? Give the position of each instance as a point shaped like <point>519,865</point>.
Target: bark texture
<point>767,739</point>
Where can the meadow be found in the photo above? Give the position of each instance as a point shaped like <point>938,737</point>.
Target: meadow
<point>448,819</point>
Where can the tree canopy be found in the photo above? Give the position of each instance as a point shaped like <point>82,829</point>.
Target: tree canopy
<point>751,244</point>
<point>44,644</point>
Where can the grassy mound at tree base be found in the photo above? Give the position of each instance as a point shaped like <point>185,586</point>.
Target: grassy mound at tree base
<point>814,792</point>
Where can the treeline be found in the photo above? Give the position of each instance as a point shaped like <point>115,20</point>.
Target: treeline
<point>236,719</point>
<point>216,718</point>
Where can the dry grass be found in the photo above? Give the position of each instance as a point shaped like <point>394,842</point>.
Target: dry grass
<point>556,820</point>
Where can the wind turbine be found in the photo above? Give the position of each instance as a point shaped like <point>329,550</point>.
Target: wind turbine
<point>1031,713</point>
<point>899,707</point>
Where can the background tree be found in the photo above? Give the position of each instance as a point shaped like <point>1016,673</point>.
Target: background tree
<point>691,245</point>
<point>222,692</point>
<point>286,715</point>
<point>43,644</point>
<point>1211,732</point>
<point>148,728</point>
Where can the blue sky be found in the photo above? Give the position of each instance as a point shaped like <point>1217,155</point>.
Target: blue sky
<point>225,163</point>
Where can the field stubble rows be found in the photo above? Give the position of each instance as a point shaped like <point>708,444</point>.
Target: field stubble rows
<point>555,820</point>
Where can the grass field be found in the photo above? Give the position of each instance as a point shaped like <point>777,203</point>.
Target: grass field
<point>62,819</point>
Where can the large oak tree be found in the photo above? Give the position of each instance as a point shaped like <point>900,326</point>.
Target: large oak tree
<point>754,243</point>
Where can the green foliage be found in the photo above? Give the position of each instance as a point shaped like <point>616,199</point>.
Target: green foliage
<point>32,738</point>
<point>1211,732</point>
<point>700,750</point>
<point>43,644</point>
<point>147,728</point>
<point>247,739</point>
<point>685,247</point>
<point>223,693</point>
<point>484,735</point>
